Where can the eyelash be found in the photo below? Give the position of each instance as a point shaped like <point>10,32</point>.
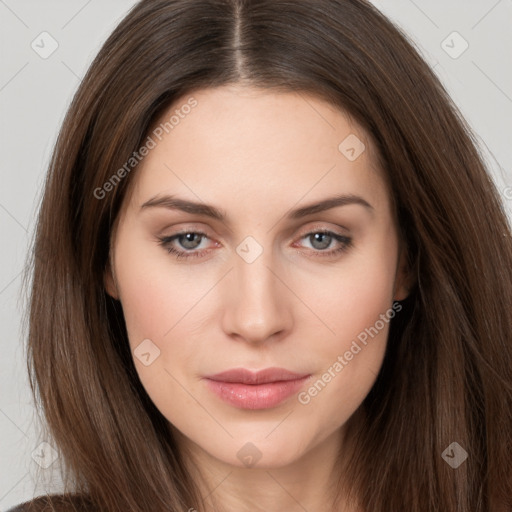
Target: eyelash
<point>166,242</point>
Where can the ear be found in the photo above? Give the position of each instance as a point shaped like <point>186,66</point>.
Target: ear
<point>404,278</point>
<point>109,281</point>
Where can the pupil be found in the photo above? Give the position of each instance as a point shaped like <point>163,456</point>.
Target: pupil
<point>189,240</point>
<point>318,237</point>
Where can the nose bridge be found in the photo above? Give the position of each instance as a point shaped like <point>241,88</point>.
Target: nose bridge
<point>256,307</point>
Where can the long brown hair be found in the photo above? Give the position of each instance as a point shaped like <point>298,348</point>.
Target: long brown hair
<point>446,376</point>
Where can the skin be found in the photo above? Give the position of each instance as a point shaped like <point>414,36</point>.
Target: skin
<point>268,152</point>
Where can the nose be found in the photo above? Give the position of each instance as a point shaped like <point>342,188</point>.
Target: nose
<point>257,303</point>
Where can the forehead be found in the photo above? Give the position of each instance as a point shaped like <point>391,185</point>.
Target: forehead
<point>257,148</point>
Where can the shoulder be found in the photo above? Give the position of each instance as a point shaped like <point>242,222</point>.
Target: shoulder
<point>56,503</point>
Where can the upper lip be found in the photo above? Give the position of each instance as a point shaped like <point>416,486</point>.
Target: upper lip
<point>245,376</point>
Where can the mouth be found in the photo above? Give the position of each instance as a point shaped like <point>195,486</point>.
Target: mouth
<point>263,389</point>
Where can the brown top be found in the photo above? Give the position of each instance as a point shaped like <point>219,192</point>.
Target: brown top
<point>55,503</point>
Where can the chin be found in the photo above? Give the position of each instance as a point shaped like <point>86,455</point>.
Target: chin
<point>267,458</point>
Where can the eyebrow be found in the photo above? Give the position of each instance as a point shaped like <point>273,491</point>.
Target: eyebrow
<point>175,203</point>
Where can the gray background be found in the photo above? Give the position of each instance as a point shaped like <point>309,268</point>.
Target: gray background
<point>34,95</point>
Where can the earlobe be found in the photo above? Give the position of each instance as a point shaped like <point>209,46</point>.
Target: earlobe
<point>109,282</point>
<point>404,278</point>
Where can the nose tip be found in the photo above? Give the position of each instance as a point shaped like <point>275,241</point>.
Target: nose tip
<point>256,307</point>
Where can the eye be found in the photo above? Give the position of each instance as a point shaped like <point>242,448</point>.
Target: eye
<point>186,244</point>
<point>190,240</point>
<point>323,239</point>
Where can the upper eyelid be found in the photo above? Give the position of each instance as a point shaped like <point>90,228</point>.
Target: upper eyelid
<point>304,234</point>
<point>318,226</point>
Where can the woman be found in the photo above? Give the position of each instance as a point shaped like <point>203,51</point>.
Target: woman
<point>271,273</point>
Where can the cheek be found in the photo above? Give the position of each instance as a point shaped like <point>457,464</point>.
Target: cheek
<point>158,301</point>
<point>155,292</point>
<point>171,306</point>
<point>353,295</point>
<point>356,303</point>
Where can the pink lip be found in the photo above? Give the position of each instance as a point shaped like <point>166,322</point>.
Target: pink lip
<point>264,389</point>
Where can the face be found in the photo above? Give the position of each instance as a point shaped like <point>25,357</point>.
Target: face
<point>257,237</point>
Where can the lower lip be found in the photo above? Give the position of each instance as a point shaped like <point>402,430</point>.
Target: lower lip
<point>257,396</point>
